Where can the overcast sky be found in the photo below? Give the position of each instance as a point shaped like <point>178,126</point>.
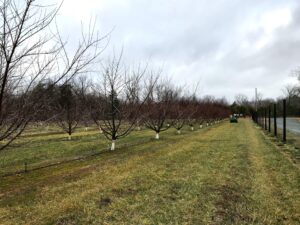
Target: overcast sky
<point>228,46</point>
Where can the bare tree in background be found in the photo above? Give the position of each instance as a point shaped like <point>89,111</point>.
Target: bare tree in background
<point>191,113</point>
<point>67,107</point>
<point>158,107</point>
<point>259,99</point>
<point>178,114</point>
<point>241,99</point>
<point>83,87</point>
<point>199,115</point>
<point>120,98</point>
<point>192,107</point>
<point>290,91</point>
<point>29,55</point>
<point>207,102</point>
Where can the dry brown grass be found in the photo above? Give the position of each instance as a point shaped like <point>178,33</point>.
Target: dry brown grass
<point>228,174</point>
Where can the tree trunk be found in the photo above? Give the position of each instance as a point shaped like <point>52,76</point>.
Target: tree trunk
<point>192,128</point>
<point>201,126</point>
<point>70,137</point>
<point>113,145</point>
<point>157,136</point>
<point>178,131</point>
<point>86,129</point>
<point>207,124</point>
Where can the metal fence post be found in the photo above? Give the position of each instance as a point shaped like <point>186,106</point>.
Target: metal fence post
<point>261,118</point>
<point>275,121</point>
<point>266,119</point>
<point>284,121</point>
<point>269,115</point>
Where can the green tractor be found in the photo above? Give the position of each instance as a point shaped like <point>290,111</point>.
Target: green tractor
<point>233,119</point>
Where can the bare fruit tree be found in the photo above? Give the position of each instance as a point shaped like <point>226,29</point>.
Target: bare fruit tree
<point>158,107</point>
<point>191,114</point>
<point>178,116</point>
<point>67,109</point>
<point>120,98</point>
<point>178,111</point>
<point>30,54</point>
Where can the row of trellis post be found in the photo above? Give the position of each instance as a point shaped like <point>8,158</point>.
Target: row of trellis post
<point>264,115</point>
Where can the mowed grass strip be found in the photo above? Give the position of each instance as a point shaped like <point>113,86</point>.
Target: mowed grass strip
<point>227,174</point>
<point>42,150</point>
<point>50,148</point>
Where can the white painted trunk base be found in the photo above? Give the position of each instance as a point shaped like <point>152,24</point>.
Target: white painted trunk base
<point>192,128</point>
<point>178,131</point>
<point>201,126</point>
<point>157,136</point>
<point>113,145</point>
<point>69,137</point>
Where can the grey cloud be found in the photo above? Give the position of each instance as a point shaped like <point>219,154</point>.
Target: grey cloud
<point>201,41</point>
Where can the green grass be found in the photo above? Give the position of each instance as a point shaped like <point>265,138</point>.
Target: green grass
<point>226,174</point>
<point>47,147</point>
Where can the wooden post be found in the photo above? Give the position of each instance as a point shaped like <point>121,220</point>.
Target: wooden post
<point>275,120</point>
<point>284,121</point>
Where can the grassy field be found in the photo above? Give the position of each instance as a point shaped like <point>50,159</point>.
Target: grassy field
<point>226,174</point>
<point>39,149</point>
